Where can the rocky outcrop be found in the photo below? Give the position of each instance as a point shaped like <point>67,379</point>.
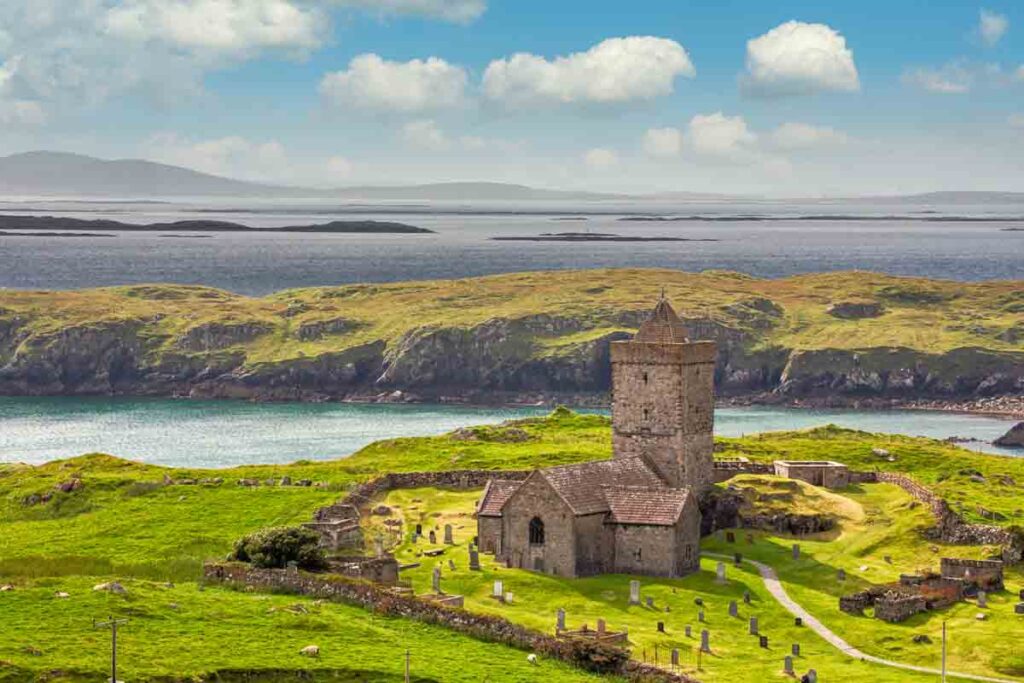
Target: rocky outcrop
<point>1014,438</point>
<point>215,336</point>
<point>855,310</point>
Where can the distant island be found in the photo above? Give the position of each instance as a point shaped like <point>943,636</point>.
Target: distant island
<point>593,237</point>
<point>7,233</point>
<point>61,223</point>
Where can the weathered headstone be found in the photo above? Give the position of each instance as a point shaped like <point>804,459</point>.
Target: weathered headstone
<point>433,537</point>
<point>1020,594</point>
<point>746,597</point>
<point>796,649</point>
<point>798,621</point>
<point>650,601</point>
<point>1019,608</point>
<point>841,575</point>
<point>675,657</point>
<point>634,592</point>
<point>378,546</point>
<point>415,537</point>
<point>499,589</point>
<point>982,599</point>
<point>737,559</point>
<point>720,572</point>
<point>787,666</point>
<point>435,583</point>
<point>560,619</point>
<point>419,529</point>
<point>796,551</point>
<point>812,676</point>
<point>451,565</point>
<point>601,626</point>
<point>448,537</point>
<point>661,627</point>
<point>753,626</point>
<point>705,641</point>
<point>474,559</point>
<point>730,537</point>
<point>508,598</point>
<point>700,616</point>
<point>734,609</point>
<point>688,631</point>
<point>763,641</point>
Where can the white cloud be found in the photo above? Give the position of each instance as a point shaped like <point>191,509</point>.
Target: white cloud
<point>231,156</point>
<point>17,113</point>
<point>425,134</point>
<point>459,11</point>
<point>663,142</point>
<point>992,26</point>
<point>796,136</point>
<point>613,71</point>
<point>796,58</point>
<point>371,82</point>
<point>951,79</point>
<point>600,159</point>
<point>718,135</point>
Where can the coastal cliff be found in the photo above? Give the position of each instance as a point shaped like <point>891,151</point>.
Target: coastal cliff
<point>844,336</point>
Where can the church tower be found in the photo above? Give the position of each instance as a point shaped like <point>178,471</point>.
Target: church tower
<point>663,399</point>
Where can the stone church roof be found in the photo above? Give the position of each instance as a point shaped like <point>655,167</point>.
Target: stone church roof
<point>652,506</point>
<point>582,486</point>
<point>663,326</point>
<point>496,493</point>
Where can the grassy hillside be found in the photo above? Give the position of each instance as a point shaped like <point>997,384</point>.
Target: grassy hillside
<point>518,331</point>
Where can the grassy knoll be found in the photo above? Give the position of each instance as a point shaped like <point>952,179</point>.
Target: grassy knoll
<point>232,636</point>
<point>736,655</point>
<point>791,313</point>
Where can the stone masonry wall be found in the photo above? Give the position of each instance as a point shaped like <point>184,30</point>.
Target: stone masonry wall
<point>382,601</point>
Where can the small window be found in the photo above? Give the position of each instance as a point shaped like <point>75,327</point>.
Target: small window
<point>536,531</point>
<point>639,554</point>
<point>645,378</point>
<point>647,414</point>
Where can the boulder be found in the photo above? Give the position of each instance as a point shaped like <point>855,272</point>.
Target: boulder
<point>1014,438</point>
<point>111,587</point>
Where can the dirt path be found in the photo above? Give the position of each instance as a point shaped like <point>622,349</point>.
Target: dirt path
<point>774,586</point>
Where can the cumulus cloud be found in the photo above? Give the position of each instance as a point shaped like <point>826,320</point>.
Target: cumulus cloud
<point>797,136</point>
<point>459,11</point>
<point>992,26</point>
<point>600,159</point>
<point>232,156</point>
<point>796,58</point>
<point>371,82</point>
<point>613,71</point>
<point>951,79</point>
<point>425,134</point>
<point>718,135</point>
<point>663,142</point>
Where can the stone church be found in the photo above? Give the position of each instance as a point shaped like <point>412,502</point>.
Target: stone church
<point>638,512</point>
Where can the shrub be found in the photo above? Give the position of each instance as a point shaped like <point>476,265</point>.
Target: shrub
<point>274,548</point>
<point>593,655</point>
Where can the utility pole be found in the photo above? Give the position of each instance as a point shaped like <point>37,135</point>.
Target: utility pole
<point>944,639</point>
<point>112,624</point>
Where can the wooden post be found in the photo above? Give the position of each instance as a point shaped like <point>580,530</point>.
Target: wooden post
<point>112,624</point>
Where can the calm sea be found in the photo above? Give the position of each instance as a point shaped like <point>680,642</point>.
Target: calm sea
<point>226,433</point>
<point>913,239</point>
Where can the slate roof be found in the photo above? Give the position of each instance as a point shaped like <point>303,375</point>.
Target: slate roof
<point>650,506</point>
<point>496,493</point>
<point>582,485</point>
<point>663,326</point>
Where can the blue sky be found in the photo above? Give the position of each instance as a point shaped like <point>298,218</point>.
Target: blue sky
<point>787,98</point>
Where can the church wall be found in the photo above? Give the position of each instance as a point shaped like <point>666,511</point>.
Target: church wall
<point>687,533</point>
<point>488,532</point>
<point>595,545</point>
<point>644,549</point>
<point>536,498</point>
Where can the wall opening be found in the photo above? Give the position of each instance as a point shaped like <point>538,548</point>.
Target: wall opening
<point>536,531</point>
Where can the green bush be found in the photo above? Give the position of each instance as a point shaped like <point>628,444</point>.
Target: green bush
<point>593,655</point>
<point>276,547</point>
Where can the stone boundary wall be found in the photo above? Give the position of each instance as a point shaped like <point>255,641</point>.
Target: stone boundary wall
<point>897,608</point>
<point>724,470</point>
<point>383,601</point>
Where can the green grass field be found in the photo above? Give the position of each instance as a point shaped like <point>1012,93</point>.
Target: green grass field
<point>124,523</point>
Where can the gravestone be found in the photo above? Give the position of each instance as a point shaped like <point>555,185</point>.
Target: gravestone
<point>1021,594</point>
<point>688,631</point>
<point>796,551</point>
<point>746,597</point>
<point>499,589</point>
<point>798,621</point>
<point>474,559</point>
<point>508,598</point>
<point>737,559</point>
<point>560,619</point>
<point>700,616</point>
<point>734,610</point>
<point>841,575</point>
<point>1019,608</point>
<point>675,657</point>
<point>764,641</point>
<point>812,676</point>
<point>730,537</point>
<point>787,666</point>
<point>451,564</point>
<point>448,538</point>
<point>601,626</point>
<point>720,572</point>
<point>433,537</point>
<point>753,626</point>
<point>650,601</point>
<point>705,641</point>
<point>750,539</point>
<point>796,649</point>
<point>982,599</point>
<point>415,537</point>
<point>378,546</point>
<point>888,559</point>
<point>634,592</point>
<point>436,580</point>
<point>419,529</point>
<point>661,627</point>
<point>698,601</point>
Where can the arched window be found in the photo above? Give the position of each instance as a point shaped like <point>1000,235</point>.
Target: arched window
<point>536,531</point>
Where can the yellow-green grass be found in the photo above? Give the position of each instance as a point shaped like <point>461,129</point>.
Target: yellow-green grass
<point>922,315</point>
<point>878,520</point>
<point>183,633</point>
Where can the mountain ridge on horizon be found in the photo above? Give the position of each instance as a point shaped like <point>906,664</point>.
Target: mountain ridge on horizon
<point>54,173</point>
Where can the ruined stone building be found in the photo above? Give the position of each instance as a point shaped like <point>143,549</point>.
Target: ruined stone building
<point>638,512</point>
